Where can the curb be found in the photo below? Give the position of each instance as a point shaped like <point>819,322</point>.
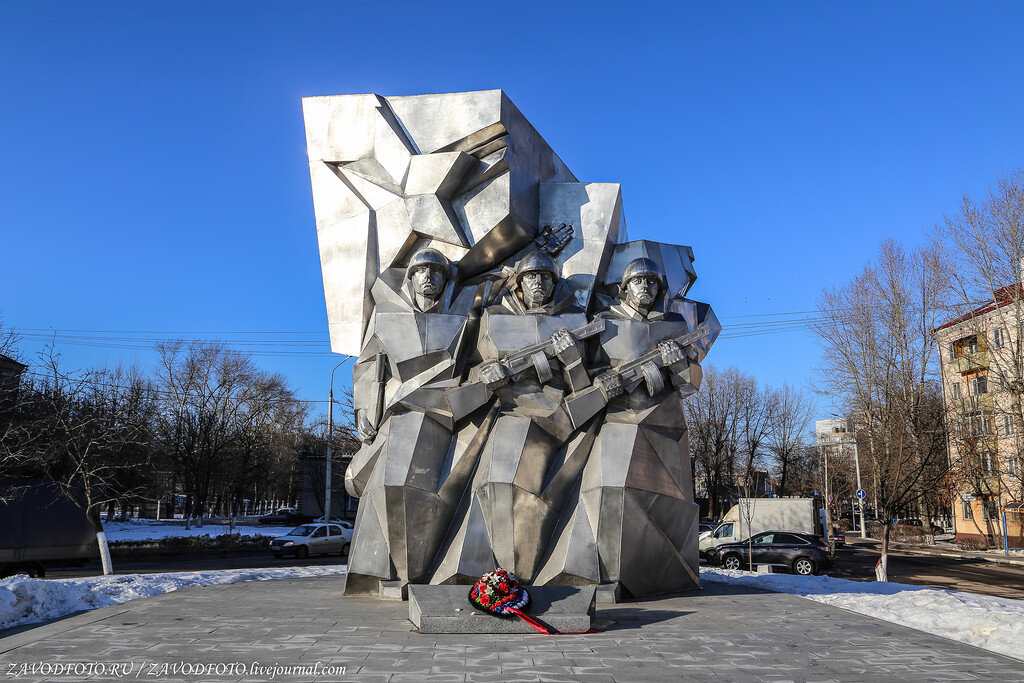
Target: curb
<point>917,550</point>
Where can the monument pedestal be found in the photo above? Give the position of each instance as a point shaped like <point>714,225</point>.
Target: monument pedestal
<point>446,609</point>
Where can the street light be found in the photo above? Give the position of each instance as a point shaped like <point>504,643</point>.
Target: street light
<point>330,438</point>
<point>856,460</point>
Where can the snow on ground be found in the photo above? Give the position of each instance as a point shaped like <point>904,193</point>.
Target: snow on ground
<point>27,601</point>
<point>143,530</point>
<point>995,624</point>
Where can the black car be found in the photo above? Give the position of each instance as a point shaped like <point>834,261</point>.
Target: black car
<point>803,553</point>
<point>282,516</point>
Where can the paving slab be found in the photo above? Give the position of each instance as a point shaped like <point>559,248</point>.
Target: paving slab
<point>446,609</point>
<point>305,630</point>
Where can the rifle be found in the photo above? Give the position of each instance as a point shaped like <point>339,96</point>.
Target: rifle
<point>471,395</point>
<point>587,402</point>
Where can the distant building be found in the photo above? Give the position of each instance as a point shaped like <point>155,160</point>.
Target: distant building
<point>312,478</point>
<point>10,372</point>
<point>981,355</point>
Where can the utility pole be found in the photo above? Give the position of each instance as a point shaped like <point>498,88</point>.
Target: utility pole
<point>330,439</point>
<point>860,501</point>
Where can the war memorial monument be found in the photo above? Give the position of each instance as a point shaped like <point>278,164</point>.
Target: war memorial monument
<point>520,361</point>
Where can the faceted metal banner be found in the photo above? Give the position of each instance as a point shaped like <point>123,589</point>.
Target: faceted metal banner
<point>521,364</point>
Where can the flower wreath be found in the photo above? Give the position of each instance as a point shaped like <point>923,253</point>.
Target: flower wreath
<point>499,593</point>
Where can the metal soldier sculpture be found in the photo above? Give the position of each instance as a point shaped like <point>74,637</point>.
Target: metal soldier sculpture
<point>407,494</point>
<point>518,386</point>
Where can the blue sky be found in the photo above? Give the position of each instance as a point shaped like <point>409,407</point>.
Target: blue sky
<point>154,178</point>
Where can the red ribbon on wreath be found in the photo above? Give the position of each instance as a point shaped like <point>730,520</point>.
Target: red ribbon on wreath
<point>500,594</point>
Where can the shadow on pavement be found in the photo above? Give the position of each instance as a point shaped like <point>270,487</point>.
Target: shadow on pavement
<point>628,618</point>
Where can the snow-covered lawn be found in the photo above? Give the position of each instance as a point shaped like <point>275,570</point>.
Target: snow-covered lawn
<point>995,624</point>
<point>142,530</point>
<point>27,601</point>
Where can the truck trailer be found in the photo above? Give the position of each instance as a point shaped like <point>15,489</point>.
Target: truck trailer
<point>40,527</point>
<point>753,515</point>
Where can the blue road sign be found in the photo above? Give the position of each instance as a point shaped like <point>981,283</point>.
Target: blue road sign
<point>861,494</point>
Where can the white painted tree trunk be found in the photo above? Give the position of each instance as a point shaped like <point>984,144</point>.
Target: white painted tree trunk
<point>882,568</point>
<point>101,540</point>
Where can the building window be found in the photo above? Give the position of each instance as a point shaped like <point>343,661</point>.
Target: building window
<point>987,459</point>
<point>980,424</point>
<point>965,509</point>
<point>998,338</point>
<point>978,385</point>
<point>956,389</point>
<point>1011,465</point>
<point>989,510</point>
<point>1007,425</point>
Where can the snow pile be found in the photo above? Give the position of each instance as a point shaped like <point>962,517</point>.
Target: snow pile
<point>138,530</point>
<point>995,624</point>
<point>27,601</point>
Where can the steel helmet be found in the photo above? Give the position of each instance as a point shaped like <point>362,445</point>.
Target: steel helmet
<point>429,257</point>
<point>537,261</point>
<point>641,266</point>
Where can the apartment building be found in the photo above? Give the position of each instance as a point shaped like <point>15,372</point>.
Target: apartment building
<point>981,367</point>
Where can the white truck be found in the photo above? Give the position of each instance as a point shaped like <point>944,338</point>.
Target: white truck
<point>753,515</point>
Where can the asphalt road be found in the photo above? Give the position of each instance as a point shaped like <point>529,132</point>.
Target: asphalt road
<point>194,563</point>
<point>857,561</point>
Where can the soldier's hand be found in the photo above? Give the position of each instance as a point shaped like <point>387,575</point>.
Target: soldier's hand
<point>367,432</point>
<point>562,340</point>
<point>670,352</point>
<point>553,239</point>
<point>610,383</point>
<point>494,373</point>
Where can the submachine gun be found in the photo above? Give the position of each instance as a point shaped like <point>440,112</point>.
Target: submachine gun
<point>587,402</point>
<point>475,392</point>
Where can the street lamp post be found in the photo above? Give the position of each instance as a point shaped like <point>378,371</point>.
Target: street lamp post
<point>860,501</point>
<point>330,439</point>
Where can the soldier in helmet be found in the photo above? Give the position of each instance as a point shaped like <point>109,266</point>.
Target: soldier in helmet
<point>511,502</point>
<point>427,274</point>
<point>418,324</point>
<point>637,483</point>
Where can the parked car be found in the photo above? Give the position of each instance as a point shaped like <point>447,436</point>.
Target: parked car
<point>706,526</point>
<point>803,553</point>
<point>839,540</point>
<point>334,520</point>
<point>750,516</point>
<point>282,516</point>
<point>907,522</point>
<point>309,539</point>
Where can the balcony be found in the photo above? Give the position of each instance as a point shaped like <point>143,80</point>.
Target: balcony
<point>979,402</point>
<point>969,362</point>
<point>984,486</point>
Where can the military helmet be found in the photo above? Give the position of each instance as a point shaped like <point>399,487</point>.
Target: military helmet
<point>429,256</point>
<point>537,261</point>
<point>641,266</point>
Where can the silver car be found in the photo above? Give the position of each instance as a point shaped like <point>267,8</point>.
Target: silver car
<point>308,539</point>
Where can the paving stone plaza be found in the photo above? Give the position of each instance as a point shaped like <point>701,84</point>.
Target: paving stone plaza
<point>718,633</point>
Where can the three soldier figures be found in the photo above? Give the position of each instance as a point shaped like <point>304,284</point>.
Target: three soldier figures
<point>503,426</point>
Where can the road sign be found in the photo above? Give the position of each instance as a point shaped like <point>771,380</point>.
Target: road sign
<point>861,493</point>
<point>831,499</point>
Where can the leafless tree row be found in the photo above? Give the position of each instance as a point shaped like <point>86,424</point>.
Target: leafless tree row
<point>748,439</point>
<point>208,428</point>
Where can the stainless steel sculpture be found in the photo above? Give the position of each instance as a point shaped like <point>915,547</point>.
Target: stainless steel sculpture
<point>521,364</point>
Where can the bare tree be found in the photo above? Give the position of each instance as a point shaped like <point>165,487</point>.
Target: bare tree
<point>711,416</point>
<point>879,365</point>
<point>790,423</point>
<point>982,250</point>
<point>86,432</point>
